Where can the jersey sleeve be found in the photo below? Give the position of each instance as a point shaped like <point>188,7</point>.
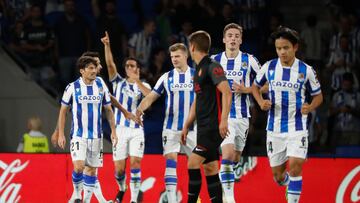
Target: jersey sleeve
<point>68,94</point>
<point>254,68</point>
<point>216,73</point>
<point>314,84</point>
<point>107,99</point>
<point>261,77</point>
<point>115,80</point>
<point>254,64</point>
<point>159,86</point>
<point>147,85</point>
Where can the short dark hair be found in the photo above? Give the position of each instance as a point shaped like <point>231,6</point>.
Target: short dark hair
<point>201,40</point>
<point>232,26</point>
<point>84,61</point>
<point>91,54</point>
<point>286,33</point>
<point>138,63</point>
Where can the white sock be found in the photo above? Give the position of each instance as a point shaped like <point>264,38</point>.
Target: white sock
<point>227,179</point>
<point>170,180</point>
<point>294,189</point>
<point>135,183</point>
<point>89,185</point>
<point>98,193</point>
<point>77,179</point>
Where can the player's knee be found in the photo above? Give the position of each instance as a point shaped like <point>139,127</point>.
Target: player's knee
<point>90,171</point>
<point>78,168</point>
<point>295,171</point>
<point>119,168</point>
<point>135,162</point>
<point>211,169</point>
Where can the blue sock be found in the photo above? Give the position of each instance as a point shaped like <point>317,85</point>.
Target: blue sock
<point>135,182</point>
<point>170,180</point>
<point>294,189</point>
<point>227,178</point>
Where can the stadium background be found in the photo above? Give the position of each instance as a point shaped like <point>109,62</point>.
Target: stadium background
<point>21,97</point>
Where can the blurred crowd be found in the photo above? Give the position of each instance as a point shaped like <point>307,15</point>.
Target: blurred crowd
<point>49,36</point>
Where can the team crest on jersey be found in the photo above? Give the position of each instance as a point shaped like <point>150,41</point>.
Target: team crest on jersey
<point>77,89</point>
<point>244,65</point>
<point>271,73</point>
<point>301,77</point>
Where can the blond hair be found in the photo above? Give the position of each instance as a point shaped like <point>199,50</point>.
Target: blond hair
<point>178,46</point>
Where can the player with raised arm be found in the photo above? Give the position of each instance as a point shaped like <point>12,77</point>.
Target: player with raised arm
<point>129,92</point>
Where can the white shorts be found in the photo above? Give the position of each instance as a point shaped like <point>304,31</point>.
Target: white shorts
<point>172,142</point>
<point>280,146</point>
<point>238,128</point>
<point>130,142</point>
<point>88,150</point>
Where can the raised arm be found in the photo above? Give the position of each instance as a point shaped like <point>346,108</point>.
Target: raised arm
<point>110,64</point>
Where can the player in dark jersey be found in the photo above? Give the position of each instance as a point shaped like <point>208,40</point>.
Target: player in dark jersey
<point>211,108</point>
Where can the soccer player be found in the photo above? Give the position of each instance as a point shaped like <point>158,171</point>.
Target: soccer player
<point>87,170</point>
<point>178,85</point>
<point>87,96</point>
<point>211,112</point>
<point>129,92</point>
<point>240,70</point>
<point>290,79</point>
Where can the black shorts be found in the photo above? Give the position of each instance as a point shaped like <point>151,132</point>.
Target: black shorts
<point>208,143</point>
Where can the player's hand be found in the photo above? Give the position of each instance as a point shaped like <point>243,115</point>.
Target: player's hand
<point>105,40</point>
<point>184,133</point>
<point>134,75</point>
<point>114,138</point>
<point>61,141</point>
<point>265,105</point>
<point>223,128</point>
<point>305,109</point>
<point>130,116</point>
<point>55,137</point>
<point>238,87</point>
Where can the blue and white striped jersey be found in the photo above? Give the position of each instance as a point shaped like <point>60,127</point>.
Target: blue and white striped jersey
<point>179,96</point>
<point>243,68</point>
<point>129,96</point>
<point>86,102</point>
<point>287,91</point>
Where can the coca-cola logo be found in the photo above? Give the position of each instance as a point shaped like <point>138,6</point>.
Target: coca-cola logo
<point>351,177</point>
<point>10,191</point>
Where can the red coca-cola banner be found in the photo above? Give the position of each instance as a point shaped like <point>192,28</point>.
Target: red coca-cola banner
<point>46,178</point>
